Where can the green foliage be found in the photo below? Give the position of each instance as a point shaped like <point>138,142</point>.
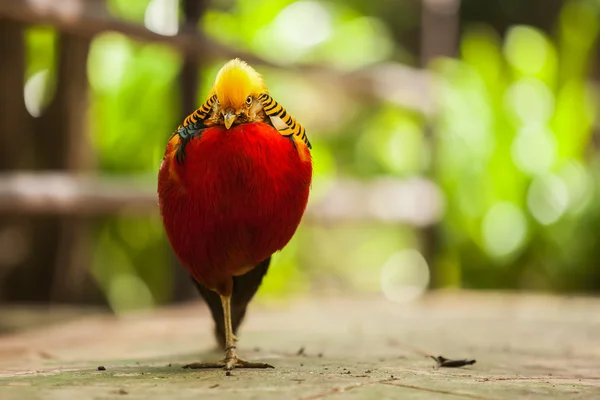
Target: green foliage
<point>511,148</point>
<point>135,101</point>
<point>513,159</point>
<point>132,10</point>
<point>285,32</point>
<point>135,106</point>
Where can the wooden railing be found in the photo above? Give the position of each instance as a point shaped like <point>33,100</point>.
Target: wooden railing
<point>405,86</point>
<point>66,197</point>
<point>66,194</point>
<point>415,201</point>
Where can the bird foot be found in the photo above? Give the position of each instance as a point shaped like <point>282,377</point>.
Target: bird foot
<point>229,364</point>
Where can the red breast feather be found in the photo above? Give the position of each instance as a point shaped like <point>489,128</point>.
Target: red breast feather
<point>238,198</point>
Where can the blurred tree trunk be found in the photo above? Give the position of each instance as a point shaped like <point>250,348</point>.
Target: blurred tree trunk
<point>183,289</point>
<point>440,25</point>
<point>15,139</point>
<point>60,256</point>
<point>64,144</point>
<point>15,148</point>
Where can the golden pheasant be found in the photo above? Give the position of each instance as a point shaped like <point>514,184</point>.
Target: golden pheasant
<point>232,187</point>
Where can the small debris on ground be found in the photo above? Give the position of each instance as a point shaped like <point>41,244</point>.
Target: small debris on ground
<point>320,355</point>
<point>46,355</point>
<point>213,386</point>
<point>300,351</point>
<point>121,391</point>
<point>228,373</point>
<point>101,368</point>
<point>447,363</point>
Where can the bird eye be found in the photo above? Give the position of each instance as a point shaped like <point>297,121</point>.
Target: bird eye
<point>249,100</point>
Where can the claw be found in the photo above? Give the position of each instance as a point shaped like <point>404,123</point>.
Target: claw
<point>248,364</point>
<point>231,359</point>
<point>199,365</point>
<point>228,365</point>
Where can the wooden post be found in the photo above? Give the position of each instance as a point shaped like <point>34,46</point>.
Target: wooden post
<point>15,122</point>
<point>439,38</point>
<point>57,268</point>
<point>15,153</point>
<point>68,147</point>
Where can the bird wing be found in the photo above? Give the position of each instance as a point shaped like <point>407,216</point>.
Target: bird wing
<point>276,112</point>
<point>193,126</point>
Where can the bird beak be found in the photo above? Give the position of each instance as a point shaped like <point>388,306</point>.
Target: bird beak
<point>229,117</point>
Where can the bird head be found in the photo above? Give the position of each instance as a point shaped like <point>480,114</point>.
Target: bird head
<point>237,87</point>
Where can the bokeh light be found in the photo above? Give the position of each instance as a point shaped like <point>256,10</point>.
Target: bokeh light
<point>534,149</point>
<point>579,184</point>
<point>110,57</point>
<point>504,229</point>
<point>162,17</point>
<point>526,49</point>
<point>530,101</point>
<point>404,276</point>
<point>129,292</point>
<point>34,92</point>
<point>547,198</point>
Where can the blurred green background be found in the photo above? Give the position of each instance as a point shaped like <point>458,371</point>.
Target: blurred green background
<point>508,136</point>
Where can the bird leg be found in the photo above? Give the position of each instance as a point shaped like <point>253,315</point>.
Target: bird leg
<point>231,359</point>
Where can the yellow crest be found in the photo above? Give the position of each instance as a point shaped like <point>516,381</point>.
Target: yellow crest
<point>236,81</point>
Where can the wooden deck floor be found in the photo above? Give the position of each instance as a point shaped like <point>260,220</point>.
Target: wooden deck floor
<point>526,347</point>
